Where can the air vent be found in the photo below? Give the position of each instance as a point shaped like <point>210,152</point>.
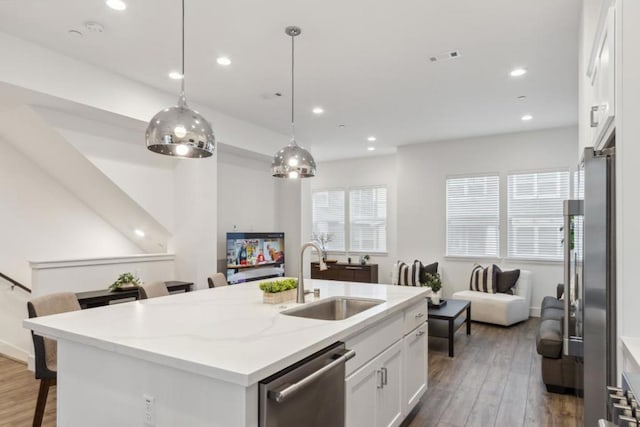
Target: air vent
<point>450,54</point>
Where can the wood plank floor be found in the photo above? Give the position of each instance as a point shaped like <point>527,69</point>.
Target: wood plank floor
<point>18,393</point>
<point>494,380</point>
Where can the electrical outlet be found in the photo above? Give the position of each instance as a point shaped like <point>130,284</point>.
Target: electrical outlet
<point>149,410</point>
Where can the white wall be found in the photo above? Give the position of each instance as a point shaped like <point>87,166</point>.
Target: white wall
<point>422,171</point>
<point>374,170</point>
<point>246,196</point>
<point>40,219</point>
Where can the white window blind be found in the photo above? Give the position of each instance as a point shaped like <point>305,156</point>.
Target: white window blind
<point>473,216</point>
<point>328,216</point>
<point>368,219</point>
<point>534,214</point>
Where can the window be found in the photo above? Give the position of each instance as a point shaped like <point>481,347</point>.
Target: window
<point>366,210</point>
<point>328,216</point>
<point>473,212</point>
<point>368,219</point>
<point>534,214</point>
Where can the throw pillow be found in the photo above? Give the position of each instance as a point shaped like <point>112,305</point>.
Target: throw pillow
<point>483,279</point>
<point>431,269</point>
<point>400,273</point>
<point>506,280</point>
<point>416,273</point>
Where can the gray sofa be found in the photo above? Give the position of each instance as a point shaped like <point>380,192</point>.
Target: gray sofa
<point>560,373</point>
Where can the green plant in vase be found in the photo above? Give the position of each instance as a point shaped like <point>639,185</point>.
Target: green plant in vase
<point>125,280</point>
<point>435,283</point>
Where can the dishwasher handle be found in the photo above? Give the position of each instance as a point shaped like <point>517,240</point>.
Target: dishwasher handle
<point>282,395</point>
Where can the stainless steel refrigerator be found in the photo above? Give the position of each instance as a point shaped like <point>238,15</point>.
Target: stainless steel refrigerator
<point>590,280</point>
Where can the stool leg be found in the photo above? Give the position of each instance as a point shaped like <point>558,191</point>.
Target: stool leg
<point>42,401</point>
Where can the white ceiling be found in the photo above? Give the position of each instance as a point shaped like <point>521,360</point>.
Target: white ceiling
<point>364,61</point>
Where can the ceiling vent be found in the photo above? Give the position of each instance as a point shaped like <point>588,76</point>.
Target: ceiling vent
<point>442,56</point>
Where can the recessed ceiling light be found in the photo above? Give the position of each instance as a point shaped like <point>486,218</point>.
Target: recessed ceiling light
<point>341,126</point>
<point>75,33</point>
<point>318,110</point>
<point>517,72</point>
<point>139,232</point>
<point>116,4</point>
<point>522,97</point>
<point>371,148</point>
<point>526,117</point>
<point>223,60</point>
<point>371,138</point>
<point>175,75</point>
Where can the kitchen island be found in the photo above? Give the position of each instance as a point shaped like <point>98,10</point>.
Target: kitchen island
<point>195,359</point>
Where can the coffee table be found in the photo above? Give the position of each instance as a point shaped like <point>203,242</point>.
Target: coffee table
<point>444,321</point>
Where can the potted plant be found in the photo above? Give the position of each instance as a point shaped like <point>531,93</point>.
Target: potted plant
<point>323,240</point>
<point>279,291</point>
<point>435,283</point>
<point>125,281</point>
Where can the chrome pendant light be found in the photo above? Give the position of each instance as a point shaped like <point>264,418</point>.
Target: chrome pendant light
<point>293,161</point>
<point>180,131</point>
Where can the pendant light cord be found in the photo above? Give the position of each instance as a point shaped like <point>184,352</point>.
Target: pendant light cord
<point>293,126</point>
<point>182,82</point>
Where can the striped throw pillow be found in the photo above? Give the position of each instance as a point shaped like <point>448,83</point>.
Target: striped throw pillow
<point>483,279</point>
<point>400,274</point>
<point>416,273</point>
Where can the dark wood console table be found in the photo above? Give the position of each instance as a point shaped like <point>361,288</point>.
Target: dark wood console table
<point>345,272</point>
<point>102,297</point>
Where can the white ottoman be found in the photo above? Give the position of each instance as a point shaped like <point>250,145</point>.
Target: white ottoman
<point>501,309</point>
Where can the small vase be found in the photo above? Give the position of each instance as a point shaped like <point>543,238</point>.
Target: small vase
<point>435,298</point>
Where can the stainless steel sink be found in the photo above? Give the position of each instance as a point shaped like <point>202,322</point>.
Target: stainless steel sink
<point>334,308</point>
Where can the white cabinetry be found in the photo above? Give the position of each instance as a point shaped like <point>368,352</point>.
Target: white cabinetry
<point>384,385</point>
<point>415,366</point>
<point>373,393</point>
<point>602,111</point>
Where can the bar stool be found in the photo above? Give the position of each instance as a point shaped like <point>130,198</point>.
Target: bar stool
<point>46,350</point>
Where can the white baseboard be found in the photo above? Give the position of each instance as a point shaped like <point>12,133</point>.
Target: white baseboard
<point>13,352</point>
<point>534,311</point>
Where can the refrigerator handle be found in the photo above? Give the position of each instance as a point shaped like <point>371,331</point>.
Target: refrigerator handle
<point>567,277</point>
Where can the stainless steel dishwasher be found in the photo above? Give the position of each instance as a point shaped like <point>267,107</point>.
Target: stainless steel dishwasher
<point>309,393</point>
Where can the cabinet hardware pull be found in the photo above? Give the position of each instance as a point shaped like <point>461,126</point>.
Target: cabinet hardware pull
<point>419,334</point>
<point>419,315</point>
<point>353,268</point>
<point>384,376</point>
<point>592,119</point>
<point>381,378</point>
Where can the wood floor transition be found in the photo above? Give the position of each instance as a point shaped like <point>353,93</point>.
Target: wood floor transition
<point>494,380</point>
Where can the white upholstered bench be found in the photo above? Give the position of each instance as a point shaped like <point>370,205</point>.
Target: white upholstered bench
<point>501,309</point>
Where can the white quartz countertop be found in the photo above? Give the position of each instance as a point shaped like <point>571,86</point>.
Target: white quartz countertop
<point>632,344</point>
<point>224,333</point>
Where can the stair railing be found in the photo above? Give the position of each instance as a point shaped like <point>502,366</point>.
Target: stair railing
<point>14,283</point>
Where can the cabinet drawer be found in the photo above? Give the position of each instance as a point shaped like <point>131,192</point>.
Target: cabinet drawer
<point>415,315</point>
<point>373,341</point>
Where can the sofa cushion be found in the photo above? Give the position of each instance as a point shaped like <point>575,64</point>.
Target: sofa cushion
<point>552,314</point>
<point>499,309</point>
<point>505,280</point>
<point>551,302</point>
<point>483,279</point>
<point>549,339</point>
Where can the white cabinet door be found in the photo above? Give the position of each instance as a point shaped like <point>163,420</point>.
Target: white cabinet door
<point>389,396</point>
<point>361,392</point>
<point>603,83</point>
<point>415,366</point>
<point>374,392</point>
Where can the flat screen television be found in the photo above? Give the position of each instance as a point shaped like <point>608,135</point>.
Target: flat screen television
<point>254,256</point>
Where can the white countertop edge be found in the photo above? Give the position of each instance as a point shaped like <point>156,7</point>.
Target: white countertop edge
<point>243,379</point>
<point>632,345</point>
